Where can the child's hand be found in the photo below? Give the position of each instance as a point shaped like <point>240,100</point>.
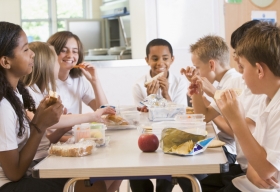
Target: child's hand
<point>189,72</point>
<point>230,107</point>
<point>103,111</point>
<point>89,71</point>
<point>206,86</point>
<point>195,87</point>
<point>254,178</point>
<point>152,88</point>
<point>164,86</point>
<point>47,116</point>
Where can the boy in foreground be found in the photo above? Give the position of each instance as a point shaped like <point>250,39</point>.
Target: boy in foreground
<point>259,56</point>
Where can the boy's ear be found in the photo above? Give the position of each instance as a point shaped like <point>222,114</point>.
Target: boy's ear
<point>4,62</point>
<point>172,59</point>
<point>260,70</point>
<point>147,60</point>
<point>212,65</point>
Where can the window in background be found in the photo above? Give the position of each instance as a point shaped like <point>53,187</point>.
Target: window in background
<point>41,18</point>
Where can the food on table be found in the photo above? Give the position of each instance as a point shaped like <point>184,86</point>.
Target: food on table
<point>189,110</point>
<point>81,132</point>
<point>216,143</point>
<point>72,150</point>
<point>218,93</point>
<point>148,142</point>
<point>53,98</point>
<point>115,120</point>
<point>172,138</point>
<point>153,78</point>
<point>183,148</point>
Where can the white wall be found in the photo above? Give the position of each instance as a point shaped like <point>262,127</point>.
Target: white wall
<point>181,22</point>
<point>10,11</point>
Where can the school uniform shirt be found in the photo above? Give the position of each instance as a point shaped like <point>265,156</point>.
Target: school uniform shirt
<point>177,89</point>
<point>267,132</point>
<point>250,104</point>
<point>223,84</point>
<point>9,127</point>
<point>44,145</point>
<point>74,91</point>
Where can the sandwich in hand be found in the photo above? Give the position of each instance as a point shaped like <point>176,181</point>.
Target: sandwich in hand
<point>53,98</point>
<point>153,78</point>
<point>218,93</point>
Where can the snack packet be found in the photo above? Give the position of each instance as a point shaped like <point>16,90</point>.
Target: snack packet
<point>175,141</point>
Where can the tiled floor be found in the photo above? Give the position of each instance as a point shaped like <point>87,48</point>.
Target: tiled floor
<point>123,187</point>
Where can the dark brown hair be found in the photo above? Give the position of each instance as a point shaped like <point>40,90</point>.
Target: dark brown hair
<point>261,44</point>
<point>9,35</point>
<point>59,40</point>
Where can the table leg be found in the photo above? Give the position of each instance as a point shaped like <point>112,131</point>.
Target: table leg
<point>195,183</point>
<point>72,181</point>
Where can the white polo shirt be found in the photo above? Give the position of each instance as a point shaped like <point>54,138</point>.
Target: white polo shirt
<point>223,84</point>
<point>44,145</point>
<point>177,89</point>
<point>250,104</point>
<point>74,91</point>
<point>9,128</point>
<point>267,132</point>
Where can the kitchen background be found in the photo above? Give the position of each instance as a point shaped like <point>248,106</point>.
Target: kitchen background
<point>181,22</point>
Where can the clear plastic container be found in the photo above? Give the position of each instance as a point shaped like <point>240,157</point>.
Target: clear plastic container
<point>167,113</point>
<point>81,131</point>
<point>190,117</point>
<point>198,128</point>
<point>97,133</point>
<point>132,117</point>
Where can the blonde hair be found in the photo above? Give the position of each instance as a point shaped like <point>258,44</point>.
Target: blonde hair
<point>43,70</point>
<point>211,47</point>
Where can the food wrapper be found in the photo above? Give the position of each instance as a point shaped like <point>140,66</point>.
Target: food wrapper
<point>174,141</point>
<point>69,149</point>
<point>154,101</point>
<point>113,120</point>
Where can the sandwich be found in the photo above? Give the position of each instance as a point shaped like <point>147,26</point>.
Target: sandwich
<point>218,93</point>
<point>115,120</point>
<point>52,97</point>
<point>153,78</point>
<point>189,110</point>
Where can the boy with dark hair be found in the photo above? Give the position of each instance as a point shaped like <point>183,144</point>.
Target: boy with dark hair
<point>259,56</point>
<point>159,56</point>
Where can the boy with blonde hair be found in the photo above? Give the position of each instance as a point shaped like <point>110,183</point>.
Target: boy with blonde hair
<point>250,102</point>
<point>259,57</point>
<point>210,57</point>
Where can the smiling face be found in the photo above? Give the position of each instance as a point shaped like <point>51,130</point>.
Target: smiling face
<point>68,57</point>
<point>22,62</point>
<point>159,59</point>
<point>203,69</point>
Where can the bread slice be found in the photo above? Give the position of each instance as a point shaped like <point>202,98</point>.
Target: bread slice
<point>53,97</point>
<point>153,78</point>
<point>218,93</point>
<point>70,150</point>
<point>216,143</point>
<point>115,120</point>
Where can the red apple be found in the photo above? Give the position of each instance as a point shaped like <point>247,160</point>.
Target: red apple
<point>148,142</point>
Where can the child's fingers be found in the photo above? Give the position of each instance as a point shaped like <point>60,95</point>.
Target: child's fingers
<point>183,71</point>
